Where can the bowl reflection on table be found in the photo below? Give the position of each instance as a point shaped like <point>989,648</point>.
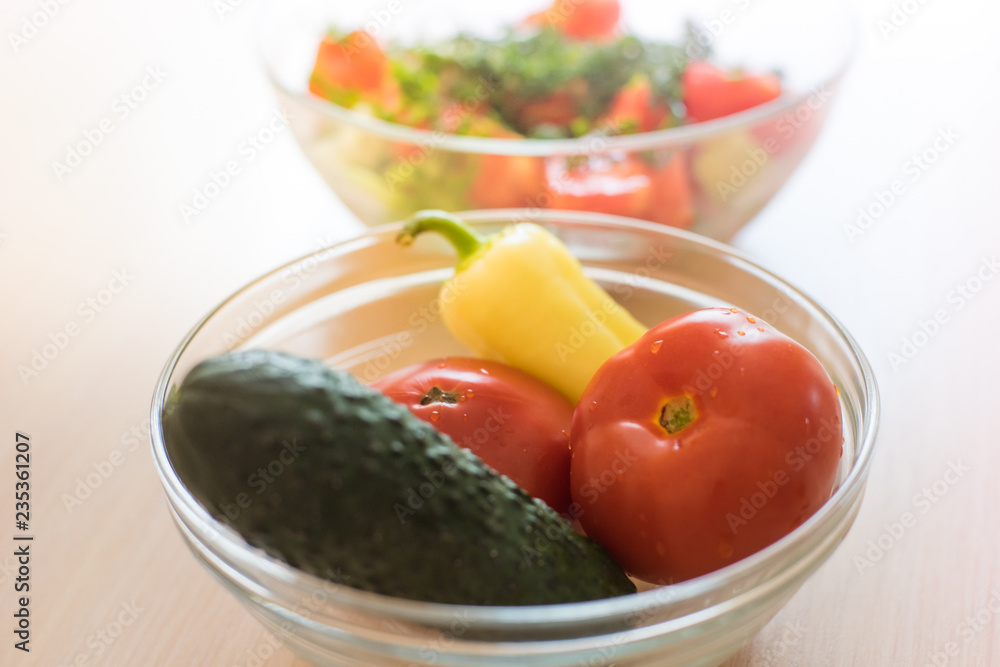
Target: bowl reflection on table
<point>371,306</point>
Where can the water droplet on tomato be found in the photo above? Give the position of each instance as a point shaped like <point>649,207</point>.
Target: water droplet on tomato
<point>442,365</point>
<point>751,320</point>
<point>435,415</point>
<point>655,347</point>
<point>722,333</point>
<point>733,310</point>
<point>760,329</point>
<point>742,333</point>
<point>469,393</point>
<point>484,371</point>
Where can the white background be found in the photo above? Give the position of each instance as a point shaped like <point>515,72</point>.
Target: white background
<point>62,242</point>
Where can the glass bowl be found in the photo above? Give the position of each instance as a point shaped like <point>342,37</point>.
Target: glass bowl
<point>370,306</point>
<point>712,177</point>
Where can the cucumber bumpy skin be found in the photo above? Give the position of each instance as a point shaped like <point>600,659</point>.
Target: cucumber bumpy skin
<point>335,473</point>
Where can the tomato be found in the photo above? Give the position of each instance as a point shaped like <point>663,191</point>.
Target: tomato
<point>581,19</point>
<point>601,185</point>
<point>354,66</point>
<point>504,181</point>
<point>671,200</point>
<point>558,108</point>
<point>634,108</point>
<point>707,440</point>
<point>508,181</point>
<point>515,423</point>
<point>709,92</point>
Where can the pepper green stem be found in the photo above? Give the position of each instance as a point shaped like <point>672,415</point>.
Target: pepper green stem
<point>466,242</point>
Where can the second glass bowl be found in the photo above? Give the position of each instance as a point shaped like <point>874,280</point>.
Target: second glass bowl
<point>712,177</point>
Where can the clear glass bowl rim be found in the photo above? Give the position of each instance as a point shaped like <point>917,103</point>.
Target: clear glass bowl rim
<point>188,510</point>
<point>579,146</point>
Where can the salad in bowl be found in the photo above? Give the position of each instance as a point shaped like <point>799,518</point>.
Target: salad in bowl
<point>674,115</point>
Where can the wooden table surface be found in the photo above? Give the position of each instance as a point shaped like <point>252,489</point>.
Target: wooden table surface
<point>99,265</point>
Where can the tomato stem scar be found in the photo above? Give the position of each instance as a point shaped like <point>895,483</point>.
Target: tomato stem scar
<point>437,395</point>
<point>677,413</point>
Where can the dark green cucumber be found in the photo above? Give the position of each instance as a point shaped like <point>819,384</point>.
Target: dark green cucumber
<point>337,480</point>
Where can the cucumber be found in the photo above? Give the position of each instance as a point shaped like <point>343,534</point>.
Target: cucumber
<point>335,479</point>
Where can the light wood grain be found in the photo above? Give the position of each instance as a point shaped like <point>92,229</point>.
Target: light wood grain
<point>62,241</point>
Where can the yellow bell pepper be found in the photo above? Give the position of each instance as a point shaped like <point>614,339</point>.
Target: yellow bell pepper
<point>520,297</point>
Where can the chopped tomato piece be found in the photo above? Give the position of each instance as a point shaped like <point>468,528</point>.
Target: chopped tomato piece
<point>508,181</point>
<point>616,187</point>
<point>559,109</point>
<point>712,93</point>
<point>670,193</point>
<point>504,181</point>
<point>585,20</point>
<point>354,65</point>
<point>635,109</point>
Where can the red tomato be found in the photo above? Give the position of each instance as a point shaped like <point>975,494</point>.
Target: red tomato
<point>558,108</point>
<point>711,437</point>
<point>635,109</point>
<point>709,92</point>
<point>617,187</point>
<point>515,423</point>
<point>581,19</point>
<point>508,181</point>
<point>671,200</point>
<point>504,181</point>
<point>355,63</point>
